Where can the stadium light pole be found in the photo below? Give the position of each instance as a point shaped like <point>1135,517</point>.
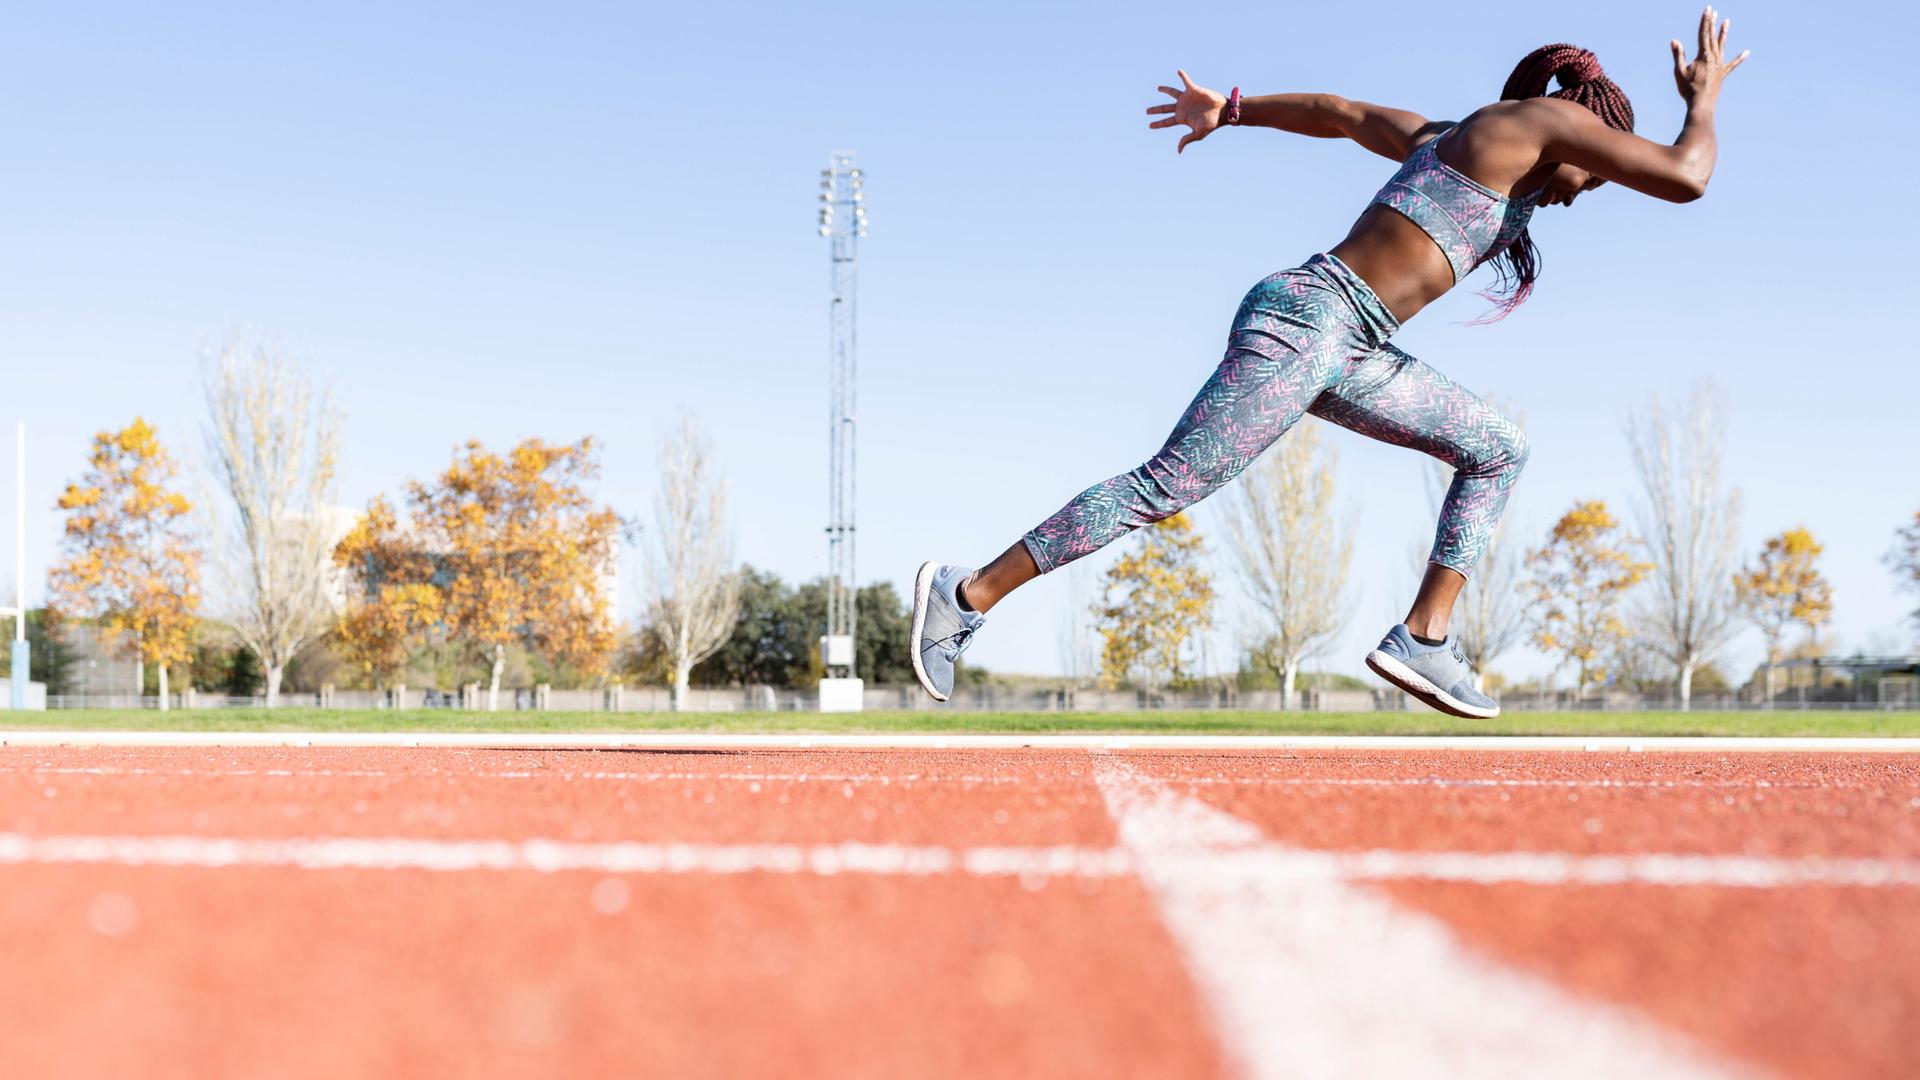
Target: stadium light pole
<point>17,685</point>
<point>842,221</point>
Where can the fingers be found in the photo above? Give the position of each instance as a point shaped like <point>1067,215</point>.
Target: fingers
<point>1679,58</point>
<point>1191,136</point>
<point>1168,122</point>
<point>1706,30</point>
<point>1741,59</point>
<point>1170,91</point>
<point>1720,43</point>
<point>1153,110</point>
<point>1184,81</point>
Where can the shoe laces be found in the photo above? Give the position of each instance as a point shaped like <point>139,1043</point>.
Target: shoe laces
<point>956,642</point>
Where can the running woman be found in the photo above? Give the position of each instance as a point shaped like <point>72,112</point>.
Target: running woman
<point>1314,339</point>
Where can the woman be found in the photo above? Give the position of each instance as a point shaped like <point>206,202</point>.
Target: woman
<point>1314,339</point>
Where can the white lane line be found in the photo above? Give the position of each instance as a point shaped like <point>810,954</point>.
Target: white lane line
<point>1198,862</point>
<point>1308,975</point>
<point>552,856</point>
<point>913,741</point>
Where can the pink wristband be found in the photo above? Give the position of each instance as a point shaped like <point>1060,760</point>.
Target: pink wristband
<point>1233,106</point>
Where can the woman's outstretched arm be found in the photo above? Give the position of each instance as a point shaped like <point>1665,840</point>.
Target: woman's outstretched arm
<point>1391,133</point>
<point>1677,173</point>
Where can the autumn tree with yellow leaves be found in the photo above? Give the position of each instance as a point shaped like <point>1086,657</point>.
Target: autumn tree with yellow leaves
<point>517,552</point>
<point>1783,588</point>
<point>392,604</point>
<point>129,564</point>
<point>1156,600</point>
<point>1578,579</point>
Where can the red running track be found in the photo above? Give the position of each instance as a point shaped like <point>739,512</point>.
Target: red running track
<point>310,912</point>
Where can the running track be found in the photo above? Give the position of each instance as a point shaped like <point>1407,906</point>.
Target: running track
<point>1052,911</point>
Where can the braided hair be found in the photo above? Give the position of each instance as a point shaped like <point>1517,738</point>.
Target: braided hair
<point>1584,83</point>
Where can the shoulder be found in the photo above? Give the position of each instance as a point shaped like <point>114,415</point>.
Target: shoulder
<point>1506,128</point>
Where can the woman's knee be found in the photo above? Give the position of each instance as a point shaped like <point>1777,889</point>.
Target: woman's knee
<point>1168,483</point>
<point>1501,448</point>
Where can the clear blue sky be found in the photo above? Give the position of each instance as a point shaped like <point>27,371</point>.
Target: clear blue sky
<point>564,219</point>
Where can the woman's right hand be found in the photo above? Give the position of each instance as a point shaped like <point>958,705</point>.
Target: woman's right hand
<point>1700,80</point>
<point>1196,106</point>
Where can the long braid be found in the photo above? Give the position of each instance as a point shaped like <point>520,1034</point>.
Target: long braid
<point>1583,82</point>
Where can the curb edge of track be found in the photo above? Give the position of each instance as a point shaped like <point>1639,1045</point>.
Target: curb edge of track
<point>919,741</point>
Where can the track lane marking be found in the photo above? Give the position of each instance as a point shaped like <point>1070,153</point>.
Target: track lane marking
<point>1216,861</point>
<point>1309,975</point>
<point>554,856</point>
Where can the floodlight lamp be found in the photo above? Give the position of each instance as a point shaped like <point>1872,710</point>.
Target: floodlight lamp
<point>824,231</point>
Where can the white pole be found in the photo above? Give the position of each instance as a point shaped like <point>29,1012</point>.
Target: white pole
<point>17,684</point>
<point>20,535</point>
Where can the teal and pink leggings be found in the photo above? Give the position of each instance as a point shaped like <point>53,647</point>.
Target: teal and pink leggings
<point>1311,339</point>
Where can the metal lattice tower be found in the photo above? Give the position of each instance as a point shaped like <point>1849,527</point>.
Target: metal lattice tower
<point>843,221</point>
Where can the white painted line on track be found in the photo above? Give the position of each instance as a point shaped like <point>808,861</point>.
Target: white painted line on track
<point>913,741</point>
<point>552,856</point>
<point>1308,975</point>
<point>1194,863</point>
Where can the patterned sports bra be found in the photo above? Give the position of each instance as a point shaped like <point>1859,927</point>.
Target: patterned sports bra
<point>1469,220</point>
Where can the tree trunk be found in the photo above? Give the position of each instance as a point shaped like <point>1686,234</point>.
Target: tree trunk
<point>493,689</point>
<point>139,677</point>
<point>1769,682</point>
<point>163,688</point>
<point>275,672</point>
<point>682,674</point>
<point>1286,683</point>
<point>1686,686</point>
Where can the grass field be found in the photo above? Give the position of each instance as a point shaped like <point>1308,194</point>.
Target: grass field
<point>1422,722</point>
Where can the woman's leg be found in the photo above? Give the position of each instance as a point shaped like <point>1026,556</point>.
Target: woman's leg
<point>1291,340</point>
<point>1392,397</point>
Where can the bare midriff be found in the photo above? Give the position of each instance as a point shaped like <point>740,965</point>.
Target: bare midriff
<point>1397,260</point>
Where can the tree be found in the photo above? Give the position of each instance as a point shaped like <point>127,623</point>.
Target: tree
<point>1491,615</point>
<point>1291,556</point>
<point>1155,601</point>
<point>130,566</point>
<point>1905,559</point>
<point>693,587</point>
<point>1688,521</point>
<point>392,602</point>
<point>518,553</point>
<point>1781,588</point>
<point>275,448</point>
<point>1579,577</point>
<point>775,639</point>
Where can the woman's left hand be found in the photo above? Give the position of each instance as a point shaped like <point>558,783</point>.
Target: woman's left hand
<point>1196,106</point>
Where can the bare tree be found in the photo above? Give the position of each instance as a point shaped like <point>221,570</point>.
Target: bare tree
<point>693,587</point>
<point>1688,522</point>
<point>275,446</point>
<point>1290,554</point>
<point>1077,639</point>
<point>1491,614</point>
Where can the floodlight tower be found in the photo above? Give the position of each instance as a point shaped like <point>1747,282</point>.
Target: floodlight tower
<point>17,684</point>
<point>843,221</point>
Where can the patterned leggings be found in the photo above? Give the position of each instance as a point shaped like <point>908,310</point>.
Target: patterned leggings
<point>1312,339</point>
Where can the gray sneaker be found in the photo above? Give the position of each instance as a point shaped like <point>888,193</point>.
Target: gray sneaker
<point>941,630</point>
<point>1436,674</point>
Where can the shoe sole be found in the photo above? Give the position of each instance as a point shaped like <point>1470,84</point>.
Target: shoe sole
<point>1413,683</point>
<point>922,586</point>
